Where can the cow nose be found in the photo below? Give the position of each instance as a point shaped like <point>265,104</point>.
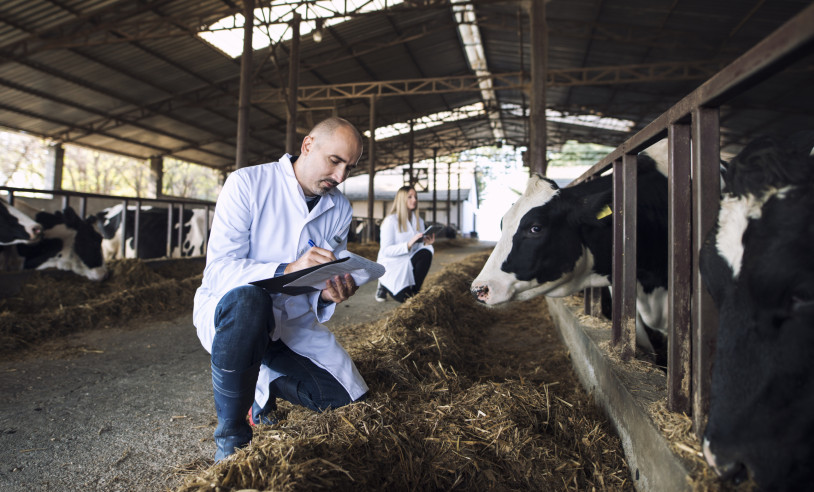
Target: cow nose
<point>726,470</point>
<point>481,292</point>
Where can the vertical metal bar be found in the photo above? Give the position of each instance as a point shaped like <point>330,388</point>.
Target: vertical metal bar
<point>244,99</point>
<point>593,301</point>
<point>679,273</point>
<point>66,201</point>
<point>136,228</point>
<point>624,274</point>
<point>123,229</point>
<point>83,206</point>
<point>618,240</point>
<point>170,206</point>
<point>706,159</point>
<point>181,229</point>
<point>539,68</point>
<point>371,194</point>
<point>293,85</point>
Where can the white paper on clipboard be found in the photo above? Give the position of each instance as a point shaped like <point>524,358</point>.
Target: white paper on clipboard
<point>361,269</point>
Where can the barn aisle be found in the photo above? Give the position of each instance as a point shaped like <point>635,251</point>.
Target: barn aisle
<point>125,407</point>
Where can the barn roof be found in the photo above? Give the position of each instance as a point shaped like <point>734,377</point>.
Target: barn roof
<point>135,78</point>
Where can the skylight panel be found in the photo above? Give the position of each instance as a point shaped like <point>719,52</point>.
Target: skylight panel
<point>272,24</point>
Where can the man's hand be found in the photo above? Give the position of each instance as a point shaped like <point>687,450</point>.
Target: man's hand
<point>339,288</point>
<point>313,257</point>
<point>429,239</point>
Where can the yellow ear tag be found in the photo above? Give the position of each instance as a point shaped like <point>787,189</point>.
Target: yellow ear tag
<point>606,210</point>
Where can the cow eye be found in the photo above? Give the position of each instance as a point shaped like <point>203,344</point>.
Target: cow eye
<point>536,229</point>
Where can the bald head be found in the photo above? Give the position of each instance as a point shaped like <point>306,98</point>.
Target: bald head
<point>329,126</point>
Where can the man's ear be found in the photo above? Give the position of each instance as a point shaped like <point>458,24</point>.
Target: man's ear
<point>307,143</point>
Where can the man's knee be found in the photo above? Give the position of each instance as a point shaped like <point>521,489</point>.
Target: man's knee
<point>245,307</point>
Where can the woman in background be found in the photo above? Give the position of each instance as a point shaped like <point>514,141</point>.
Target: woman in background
<point>404,250</point>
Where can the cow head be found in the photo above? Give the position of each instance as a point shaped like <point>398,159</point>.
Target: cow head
<point>16,227</point>
<point>758,267</point>
<point>542,249</point>
<point>69,243</point>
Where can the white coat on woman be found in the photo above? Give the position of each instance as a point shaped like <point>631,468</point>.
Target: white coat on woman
<point>394,254</point>
<point>262,221</point>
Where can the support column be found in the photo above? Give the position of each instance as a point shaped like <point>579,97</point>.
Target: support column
<point>371,196</point>
<point>293,85</point>
<point>412,154</point>
<point>157,175</point>
<point>449,194</point>
<point>434,185</point>
<point>244,102</point>
<point>53,175</point>
<point>460,205</point>
<point>538,137</point>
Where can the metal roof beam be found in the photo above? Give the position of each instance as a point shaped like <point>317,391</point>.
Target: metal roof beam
<point>625,74</point>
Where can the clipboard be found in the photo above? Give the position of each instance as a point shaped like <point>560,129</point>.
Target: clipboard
<point>313,279</point>
<point>433,229</point>
<point>278,284</point>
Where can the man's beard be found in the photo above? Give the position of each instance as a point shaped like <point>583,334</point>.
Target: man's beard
<point>322,190</point>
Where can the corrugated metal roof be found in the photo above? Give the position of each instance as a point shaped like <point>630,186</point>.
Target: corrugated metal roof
<point>134,78</point>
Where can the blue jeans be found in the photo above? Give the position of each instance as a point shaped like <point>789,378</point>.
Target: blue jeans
<point>243,325</point>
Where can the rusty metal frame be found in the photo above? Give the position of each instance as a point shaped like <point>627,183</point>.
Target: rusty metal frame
<point>694,322</point>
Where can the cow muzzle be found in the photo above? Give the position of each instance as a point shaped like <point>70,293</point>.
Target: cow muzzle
<point>481,292</point>
<point>726,470</point>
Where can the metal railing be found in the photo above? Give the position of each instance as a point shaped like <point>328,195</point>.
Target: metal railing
<point>693,131</point>
<point>172,203</point>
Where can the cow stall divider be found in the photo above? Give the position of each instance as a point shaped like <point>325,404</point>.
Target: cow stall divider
<point>172,204</point>
<point>692,129</point>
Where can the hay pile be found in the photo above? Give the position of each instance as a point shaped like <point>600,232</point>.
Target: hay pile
<point>461,397</point>
<point>370,250</point>
<point>52,304</point>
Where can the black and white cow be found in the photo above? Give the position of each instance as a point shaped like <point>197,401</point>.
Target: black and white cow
<point>17,227</point>
<point>68,243</point>
<point>153,232</point>
<point>558,241</point>
<point>758,266</point>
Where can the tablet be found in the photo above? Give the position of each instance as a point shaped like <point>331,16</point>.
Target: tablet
<point>433,229</point>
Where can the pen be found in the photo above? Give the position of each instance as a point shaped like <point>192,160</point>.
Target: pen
<point>311,243</point>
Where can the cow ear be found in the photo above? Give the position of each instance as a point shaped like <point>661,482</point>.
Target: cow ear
<point>48,220</point>
<point>70,216</point>
<point>595,209</point>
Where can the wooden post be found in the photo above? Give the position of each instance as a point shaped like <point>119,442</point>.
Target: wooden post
<point>293,85</point>
<point>244,101</point>
<point>538,137</point>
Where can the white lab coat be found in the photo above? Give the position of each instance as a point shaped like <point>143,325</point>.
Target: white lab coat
<point>262,220</point>
<point>395,256</point>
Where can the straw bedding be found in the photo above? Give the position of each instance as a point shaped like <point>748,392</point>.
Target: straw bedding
<point>51,305</point>
<point>461,397</point>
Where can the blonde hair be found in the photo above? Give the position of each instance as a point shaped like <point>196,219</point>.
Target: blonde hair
<point>400,209</point>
